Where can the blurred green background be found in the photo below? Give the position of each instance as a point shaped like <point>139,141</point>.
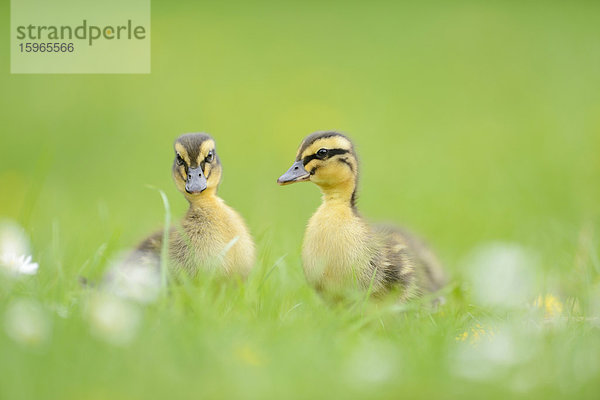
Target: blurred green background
<point>473,121</point>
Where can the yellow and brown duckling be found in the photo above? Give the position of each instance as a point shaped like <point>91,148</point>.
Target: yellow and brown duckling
<point>341,251</point>
<point>212,235</point>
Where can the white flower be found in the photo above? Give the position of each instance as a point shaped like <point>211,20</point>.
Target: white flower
<point>19,264</point>
<point>14,250</point>
<point>493,357</point>
<point>26,323</point>
<point>13,239</point>
<point>502,274</point>
<point>112,319</point>
<point>135,277</point>
<point>371,363</point>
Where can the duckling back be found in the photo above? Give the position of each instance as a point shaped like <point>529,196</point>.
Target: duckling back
<point>407,262</point>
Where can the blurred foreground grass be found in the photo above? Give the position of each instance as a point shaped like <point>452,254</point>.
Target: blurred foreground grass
<point>477,124</point>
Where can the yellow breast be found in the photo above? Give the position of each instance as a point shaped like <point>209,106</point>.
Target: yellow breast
<point>336,249</point>
<point>218,238</point>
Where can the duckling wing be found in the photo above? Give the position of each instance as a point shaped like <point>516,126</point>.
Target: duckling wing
<point>152,244</point>
<point>409,261</point>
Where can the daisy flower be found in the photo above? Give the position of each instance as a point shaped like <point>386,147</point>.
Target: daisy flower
<point>15,250</point>
<point>19,265</point>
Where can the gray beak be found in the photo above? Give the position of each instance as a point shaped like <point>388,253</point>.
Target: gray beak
<point>196,181</point>
<point>296,173</point>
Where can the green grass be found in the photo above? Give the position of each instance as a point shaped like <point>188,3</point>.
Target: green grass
<point>475,122</point>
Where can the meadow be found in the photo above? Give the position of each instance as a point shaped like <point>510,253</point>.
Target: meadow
<point>477,125</point>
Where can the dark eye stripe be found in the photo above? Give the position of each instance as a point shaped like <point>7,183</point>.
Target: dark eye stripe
<point>206,161</point>
<point>330,153</point>
<point>180,162</point>
<point>345,161</point>
<point>183,175</point>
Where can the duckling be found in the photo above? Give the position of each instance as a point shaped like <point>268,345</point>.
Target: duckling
<point>212,235</point>
<point>341,250</point>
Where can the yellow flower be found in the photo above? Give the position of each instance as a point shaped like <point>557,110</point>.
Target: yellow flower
<point>551,305</point>
<point>475,334</point>
<point>248,355</point>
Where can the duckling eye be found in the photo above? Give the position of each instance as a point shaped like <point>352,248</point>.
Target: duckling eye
<point>321,153</point>
<point>210,156</point>
<point>179,160</point>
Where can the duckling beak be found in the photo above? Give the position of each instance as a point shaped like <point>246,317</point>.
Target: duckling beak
<point>196,181</point>
<point>296,173</point>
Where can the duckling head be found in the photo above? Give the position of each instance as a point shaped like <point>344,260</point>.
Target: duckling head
<point>327,159</point>
<point>196,168</point>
